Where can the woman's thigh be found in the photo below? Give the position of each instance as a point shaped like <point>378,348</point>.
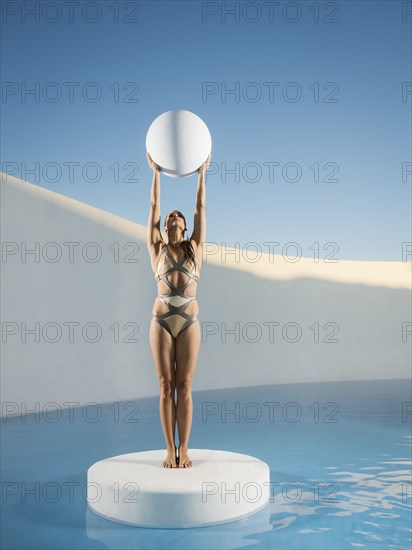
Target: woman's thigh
<point>163,350</point>
<point>187,351</point>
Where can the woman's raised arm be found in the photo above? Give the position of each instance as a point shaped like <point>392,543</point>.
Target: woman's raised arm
<point>199,225</point>
<point>154,235</point>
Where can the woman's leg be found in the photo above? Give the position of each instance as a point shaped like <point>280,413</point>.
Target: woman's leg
<point>163,351</point>
<point>187,350</point>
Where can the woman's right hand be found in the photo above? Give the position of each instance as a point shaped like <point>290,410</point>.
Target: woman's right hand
<point>155,167</point>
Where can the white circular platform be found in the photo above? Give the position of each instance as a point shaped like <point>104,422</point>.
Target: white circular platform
<point>179,142</point>
<point>136,489</point>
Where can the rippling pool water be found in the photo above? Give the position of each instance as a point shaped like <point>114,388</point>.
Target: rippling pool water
<point>339,455</point>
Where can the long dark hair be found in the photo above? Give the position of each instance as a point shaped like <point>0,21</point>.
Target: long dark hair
<point>188,251</point>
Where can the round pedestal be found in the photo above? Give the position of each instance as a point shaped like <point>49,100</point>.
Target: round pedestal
<point>136,489</point>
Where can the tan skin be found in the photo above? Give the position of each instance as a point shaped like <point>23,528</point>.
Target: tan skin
<point>175,358</point>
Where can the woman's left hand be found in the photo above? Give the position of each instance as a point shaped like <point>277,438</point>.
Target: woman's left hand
<point>205,165</point>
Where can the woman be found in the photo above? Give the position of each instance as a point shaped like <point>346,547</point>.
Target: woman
<point>175,330</point>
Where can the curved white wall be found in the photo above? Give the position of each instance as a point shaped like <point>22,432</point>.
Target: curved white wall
<point>369,303</point>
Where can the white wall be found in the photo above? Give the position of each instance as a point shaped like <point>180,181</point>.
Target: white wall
<point>368,302</point>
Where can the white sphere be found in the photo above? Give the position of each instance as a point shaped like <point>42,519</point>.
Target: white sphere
<point>179,142</point>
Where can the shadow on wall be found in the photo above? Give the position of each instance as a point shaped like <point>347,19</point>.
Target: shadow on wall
<point>76,314</point>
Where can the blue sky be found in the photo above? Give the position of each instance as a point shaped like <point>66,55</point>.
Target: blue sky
<point>172,52</point>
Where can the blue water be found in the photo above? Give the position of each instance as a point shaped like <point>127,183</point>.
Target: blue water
<point>339,455</point>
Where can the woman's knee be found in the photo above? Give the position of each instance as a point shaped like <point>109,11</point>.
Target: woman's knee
<point>184,387</point>
<point>167,388</point>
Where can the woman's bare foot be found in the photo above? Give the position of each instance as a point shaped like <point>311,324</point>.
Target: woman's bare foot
<point>170,461</point>
<point>184,460</point>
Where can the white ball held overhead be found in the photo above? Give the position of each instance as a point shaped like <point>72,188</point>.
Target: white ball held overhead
<point>179,142</point>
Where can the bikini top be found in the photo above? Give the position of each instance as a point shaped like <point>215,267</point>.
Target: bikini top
<point>167,265</point>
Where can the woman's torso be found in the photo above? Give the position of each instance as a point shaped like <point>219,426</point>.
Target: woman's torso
<point>162,262</point>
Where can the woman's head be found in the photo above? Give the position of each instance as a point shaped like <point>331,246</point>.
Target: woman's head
<point>175,219</point>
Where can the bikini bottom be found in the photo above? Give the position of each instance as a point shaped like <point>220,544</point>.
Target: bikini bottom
<point>175,320</point>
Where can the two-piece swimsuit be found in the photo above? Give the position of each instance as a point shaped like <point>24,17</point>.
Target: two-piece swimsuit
<point>175,320</point>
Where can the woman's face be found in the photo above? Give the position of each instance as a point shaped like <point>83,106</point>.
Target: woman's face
<point>175,219</point>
